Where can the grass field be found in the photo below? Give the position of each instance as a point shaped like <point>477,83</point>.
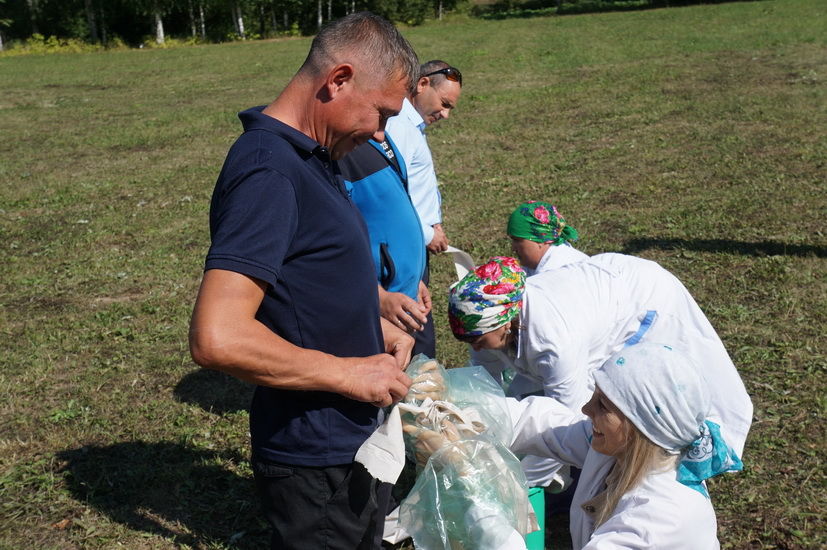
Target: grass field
<point>694,136</point>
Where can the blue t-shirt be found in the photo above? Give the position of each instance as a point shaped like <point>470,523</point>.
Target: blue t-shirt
<point>280,214</point>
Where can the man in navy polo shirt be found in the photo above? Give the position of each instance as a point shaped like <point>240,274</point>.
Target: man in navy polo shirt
<point>289,298</point>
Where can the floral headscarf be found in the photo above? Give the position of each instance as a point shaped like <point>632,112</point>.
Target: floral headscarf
<point>486,298</point>
<point>540,222</point>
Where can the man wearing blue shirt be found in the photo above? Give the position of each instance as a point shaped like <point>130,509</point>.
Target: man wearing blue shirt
<point>288,300</point>
<point>377,180</point>
<point>435,95</point>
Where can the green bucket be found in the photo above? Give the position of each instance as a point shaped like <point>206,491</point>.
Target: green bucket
<point>537,539</point>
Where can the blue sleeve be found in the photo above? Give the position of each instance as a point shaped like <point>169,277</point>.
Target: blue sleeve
<point>253,219</point>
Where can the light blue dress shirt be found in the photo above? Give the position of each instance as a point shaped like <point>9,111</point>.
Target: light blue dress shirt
<point>407,129</point>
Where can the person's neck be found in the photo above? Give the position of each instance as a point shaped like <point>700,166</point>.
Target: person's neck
<point>292,108</point>
<point>413,104</point>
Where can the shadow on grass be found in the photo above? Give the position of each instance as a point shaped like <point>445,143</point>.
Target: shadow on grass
<point>169,490</point>
<point>763,248</point>
<point>509,9</point>
<point>214,391</point>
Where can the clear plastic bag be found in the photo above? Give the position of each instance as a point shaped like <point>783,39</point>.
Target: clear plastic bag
<point>473,388</point>
<point>470,491</point>
<point>467,397</point>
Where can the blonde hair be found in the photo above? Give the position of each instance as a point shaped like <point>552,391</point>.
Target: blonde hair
<point>639,458</point>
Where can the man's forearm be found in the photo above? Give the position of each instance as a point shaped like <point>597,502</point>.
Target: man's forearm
<point>252,352</point>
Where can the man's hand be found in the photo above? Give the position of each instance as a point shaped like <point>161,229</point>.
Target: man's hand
<point>397,343</point>
<point>401,311</point>
<point>376,379</point>
<point>424,297</point>
<point>440,242</point>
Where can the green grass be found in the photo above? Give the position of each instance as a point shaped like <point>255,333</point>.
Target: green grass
<point>692,136</point>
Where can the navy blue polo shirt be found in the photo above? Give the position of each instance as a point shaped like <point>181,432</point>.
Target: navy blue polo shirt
<point>280,214</point>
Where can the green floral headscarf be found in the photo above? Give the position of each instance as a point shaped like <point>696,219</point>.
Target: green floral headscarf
<point>540,222</point>
<point>486,298</point>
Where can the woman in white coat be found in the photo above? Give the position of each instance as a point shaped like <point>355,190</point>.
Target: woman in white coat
<point>645,451</point>
<point>564,323</point>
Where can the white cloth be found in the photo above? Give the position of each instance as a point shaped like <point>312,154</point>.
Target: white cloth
<point>489,530</point>
<point>660,513</point>
<point>463,263</point>
<point>407,131</point>
<point>392,531</point>
<point>383,453</point>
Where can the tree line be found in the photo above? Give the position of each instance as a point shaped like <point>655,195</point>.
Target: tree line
<point>149,22</point>
<point>135,22</point>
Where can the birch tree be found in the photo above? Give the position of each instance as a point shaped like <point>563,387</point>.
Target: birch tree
<point>4,23</point>
<point>201,25</point>
<point>238,19</point>
<point>91,20</point>
<point>33,14</point>
<point>156,9</point>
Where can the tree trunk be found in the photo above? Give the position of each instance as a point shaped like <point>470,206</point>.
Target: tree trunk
<point>262,21</point>
<point>102,25</point>
<point>1,41</point>
<point>319,20</point>
<point>440,10</point>
<point>159,27</point>
<point>239,19</point>
<point>201,20</point>
<point>32,4</point>
<point>286,20</point>
<point>330,10</point>
<point>90,20</point>
<point>192,18</point>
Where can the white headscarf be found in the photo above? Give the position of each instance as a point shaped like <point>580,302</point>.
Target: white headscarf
<point>659,390</point>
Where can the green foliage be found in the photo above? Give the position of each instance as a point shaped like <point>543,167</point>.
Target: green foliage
<point>38,44</point>
<point>150,43</point>
<point>411,12</point>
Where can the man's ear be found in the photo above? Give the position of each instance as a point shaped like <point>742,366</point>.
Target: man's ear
<point>422,83</point>
<point>338,78</point>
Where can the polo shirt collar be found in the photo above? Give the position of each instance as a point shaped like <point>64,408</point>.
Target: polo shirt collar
<point>255,119</point>
<point>409,111</point>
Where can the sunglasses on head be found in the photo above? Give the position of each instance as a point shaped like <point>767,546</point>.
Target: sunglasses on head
<point>450,73</point>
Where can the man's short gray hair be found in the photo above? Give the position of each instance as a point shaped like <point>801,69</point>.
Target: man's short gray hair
<point>431,66</point>
<point>368,38</point>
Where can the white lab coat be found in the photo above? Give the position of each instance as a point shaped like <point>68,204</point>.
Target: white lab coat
<point>658,514</point>
<point>576,316</point>
<point>556,257</point>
